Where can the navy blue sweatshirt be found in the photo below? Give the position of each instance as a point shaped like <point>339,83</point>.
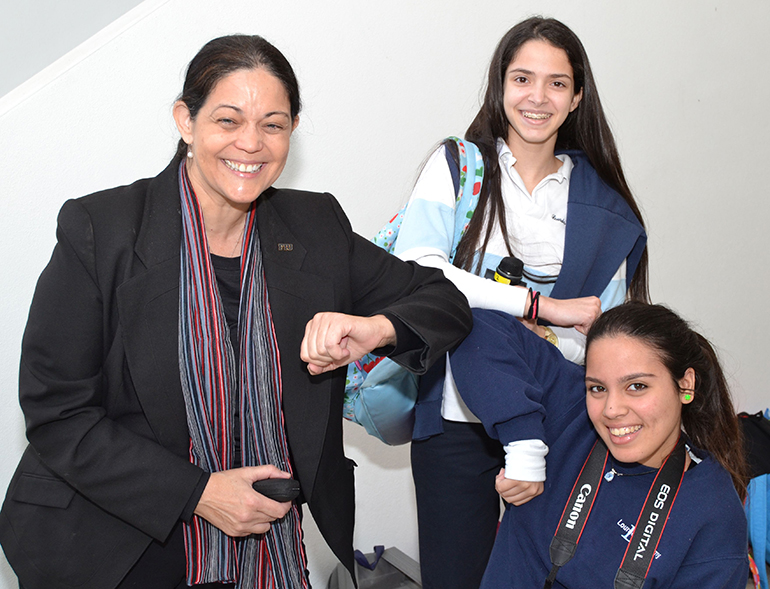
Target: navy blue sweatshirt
<point>521,387</point>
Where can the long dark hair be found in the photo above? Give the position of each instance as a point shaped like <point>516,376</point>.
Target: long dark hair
<point>710,418</point>
<point>221,57</point>
<point>585,128</point>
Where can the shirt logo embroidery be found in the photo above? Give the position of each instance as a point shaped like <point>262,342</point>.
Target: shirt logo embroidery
<point>629,530</point>
<point>562,221</point>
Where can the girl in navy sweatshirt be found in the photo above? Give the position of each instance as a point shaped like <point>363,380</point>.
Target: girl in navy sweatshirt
<point>649,380</point>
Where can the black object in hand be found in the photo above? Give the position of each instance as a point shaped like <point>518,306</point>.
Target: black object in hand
<point>277,489</point>
<point>509,271</point>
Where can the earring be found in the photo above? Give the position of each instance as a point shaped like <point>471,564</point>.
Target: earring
<point>687,397</point>
<point>189,151</point>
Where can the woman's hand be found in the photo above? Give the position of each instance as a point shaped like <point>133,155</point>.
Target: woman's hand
<point>230,504</point>
<point>578,313</point>
<point>335,339</point>
<point>516,492</point>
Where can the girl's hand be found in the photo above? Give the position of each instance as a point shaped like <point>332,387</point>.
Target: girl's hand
<point>578,313</point>
<point>516,492</point>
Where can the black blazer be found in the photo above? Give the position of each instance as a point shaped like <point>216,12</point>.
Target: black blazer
<point>107,467</point>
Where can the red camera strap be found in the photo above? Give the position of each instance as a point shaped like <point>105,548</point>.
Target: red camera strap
<point>649,526</point>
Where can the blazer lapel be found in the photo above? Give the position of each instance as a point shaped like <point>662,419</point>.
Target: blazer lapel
<point>149,310</point>
<point>280,247</point>
<point>296,293</point>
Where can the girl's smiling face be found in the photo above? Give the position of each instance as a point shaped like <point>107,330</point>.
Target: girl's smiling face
<point>538,94</point>
<point>633,401</point>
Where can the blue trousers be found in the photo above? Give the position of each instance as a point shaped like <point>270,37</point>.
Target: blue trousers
<point>458,508</point>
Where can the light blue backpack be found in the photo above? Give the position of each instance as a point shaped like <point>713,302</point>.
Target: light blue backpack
<point>756,513</point>
<point>379,394</point>
<point>758,496</point>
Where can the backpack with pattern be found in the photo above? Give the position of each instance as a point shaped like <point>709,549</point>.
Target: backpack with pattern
<point>379,394</point>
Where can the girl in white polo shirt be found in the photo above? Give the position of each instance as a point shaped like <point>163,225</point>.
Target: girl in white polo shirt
<point>553,195</point>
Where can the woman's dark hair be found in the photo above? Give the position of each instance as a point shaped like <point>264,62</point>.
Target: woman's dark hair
<point>710,418</point>
<point>585,128</point>
<point>221,57</point>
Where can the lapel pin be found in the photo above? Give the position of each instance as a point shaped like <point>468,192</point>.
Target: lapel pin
<point>285,247</point>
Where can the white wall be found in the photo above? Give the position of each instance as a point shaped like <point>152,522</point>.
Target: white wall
<point>35,33</point>
<point>685,84</point>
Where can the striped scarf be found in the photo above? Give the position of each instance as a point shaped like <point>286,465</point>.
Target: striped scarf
<point>211,383</point>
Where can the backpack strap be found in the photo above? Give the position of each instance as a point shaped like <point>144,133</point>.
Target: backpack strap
<point>467,176</point>
<point>452,156</point>
<point>471,175</point>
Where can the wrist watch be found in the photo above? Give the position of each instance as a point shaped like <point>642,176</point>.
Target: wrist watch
<point>550,336</point>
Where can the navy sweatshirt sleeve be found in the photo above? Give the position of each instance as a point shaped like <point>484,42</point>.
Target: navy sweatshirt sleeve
<point>512,379</point>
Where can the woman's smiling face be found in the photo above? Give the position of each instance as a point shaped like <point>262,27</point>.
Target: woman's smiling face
<point>633,401</point>
<point>239,139</point>
<point>538,94</point>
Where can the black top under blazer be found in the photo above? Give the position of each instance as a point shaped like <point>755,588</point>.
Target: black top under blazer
<point>107,467</point>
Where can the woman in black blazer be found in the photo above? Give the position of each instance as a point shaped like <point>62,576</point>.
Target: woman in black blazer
<point>158,384</point>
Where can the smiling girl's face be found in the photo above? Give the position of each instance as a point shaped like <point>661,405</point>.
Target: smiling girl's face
<point>538,94</point>
<point>633,401</point>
